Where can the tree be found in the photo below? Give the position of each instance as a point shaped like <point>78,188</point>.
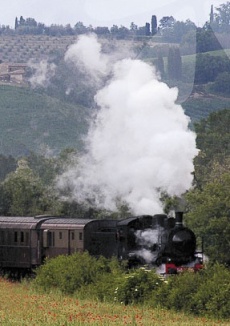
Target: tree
<point>222,18</point>
<point>21,21</point>
<point>23,193</point>
<point>101,30</point>
<point>16,23</point>
<point>209,67</point>
<point>147,29</point>
<point>206,40</point>
<point>133,27</point>
<point>213,138</point>
<point>208,203</point>
<point>114,30</point>
<point>209,217</point>
<point>154,25</point>
<point>213,135</point>
<point>80,28</point>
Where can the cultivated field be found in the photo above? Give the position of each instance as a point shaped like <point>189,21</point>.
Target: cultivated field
<point>22,48</point>
<point>20,306</point>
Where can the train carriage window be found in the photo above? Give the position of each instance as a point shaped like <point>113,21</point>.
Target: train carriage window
<point>60,235</point>
<point>15,236</point>
<point>49,239</point>
<point>2,239</point>
<point>27,239</point>
<point>80,236</point>
<point>53,239</point>
<point>72,236</point>
<point>22,237</point>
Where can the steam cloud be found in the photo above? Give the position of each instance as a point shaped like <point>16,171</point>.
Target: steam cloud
<point>147,239</point>
<point>43,71</point>
<point>139,143</point>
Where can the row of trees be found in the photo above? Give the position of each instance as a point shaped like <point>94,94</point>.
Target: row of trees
<point>28,187</point>
<point>168,28</point>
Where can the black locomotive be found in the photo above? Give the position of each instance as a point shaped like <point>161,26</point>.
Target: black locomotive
<point>157,241</point>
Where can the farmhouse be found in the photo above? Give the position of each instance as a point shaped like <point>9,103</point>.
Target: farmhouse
<point>13,73</point>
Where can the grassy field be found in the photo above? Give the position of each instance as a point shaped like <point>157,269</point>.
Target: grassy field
<point>20,306</point>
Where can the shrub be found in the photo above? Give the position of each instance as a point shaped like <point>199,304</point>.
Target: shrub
<point>137,286</point>
<point>213,295</point>
<point>177,291</point>
<point>70,273</point>
<point>206,293</point>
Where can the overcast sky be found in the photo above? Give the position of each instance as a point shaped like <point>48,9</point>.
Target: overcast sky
<point>105,12</point>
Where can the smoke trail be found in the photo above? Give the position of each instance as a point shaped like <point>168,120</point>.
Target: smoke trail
<point>138,145</point>
<point>43,72</point>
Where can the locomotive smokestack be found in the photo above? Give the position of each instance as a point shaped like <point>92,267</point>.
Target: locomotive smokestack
<point>179,219</point>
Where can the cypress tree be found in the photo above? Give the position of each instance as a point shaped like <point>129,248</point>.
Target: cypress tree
<point>16,23</point>
<point>154,25</point>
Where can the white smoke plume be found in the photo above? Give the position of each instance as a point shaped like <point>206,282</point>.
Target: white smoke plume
<point>148,240</point>
<point>148,256</point>
<point>43,72</point>
<point>86,55</point>
<point>139,143</point>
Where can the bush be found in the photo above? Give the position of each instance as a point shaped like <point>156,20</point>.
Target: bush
<point>137,286</point>
<point>177,291</point>
<point>206,293</point>
<point>213,295</point>
<point>70,273</point>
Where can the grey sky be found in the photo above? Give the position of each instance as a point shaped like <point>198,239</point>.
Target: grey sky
<point>105,12</point>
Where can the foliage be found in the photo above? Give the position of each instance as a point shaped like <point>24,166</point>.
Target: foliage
<point>203,293</point>
<point>206,41</point>
<point>212,295</point>
<point>137,286</point>
<point>177,292</point>
<point>23,193</point>
<point>221,21</point>
<point>175,31</point>
<point>208,217</point>
<point>208,67</point>
<point>213,137</point>
<point>70,273</point>
<point>208,203</point>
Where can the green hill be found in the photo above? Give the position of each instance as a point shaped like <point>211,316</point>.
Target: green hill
<point>33,122</point>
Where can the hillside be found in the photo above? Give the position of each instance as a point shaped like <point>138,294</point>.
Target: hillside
<point>33,122</point>
<point>22,48</point>
<point>199,105</point>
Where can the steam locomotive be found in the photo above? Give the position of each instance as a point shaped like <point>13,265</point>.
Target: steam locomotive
<point>158,241</point>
